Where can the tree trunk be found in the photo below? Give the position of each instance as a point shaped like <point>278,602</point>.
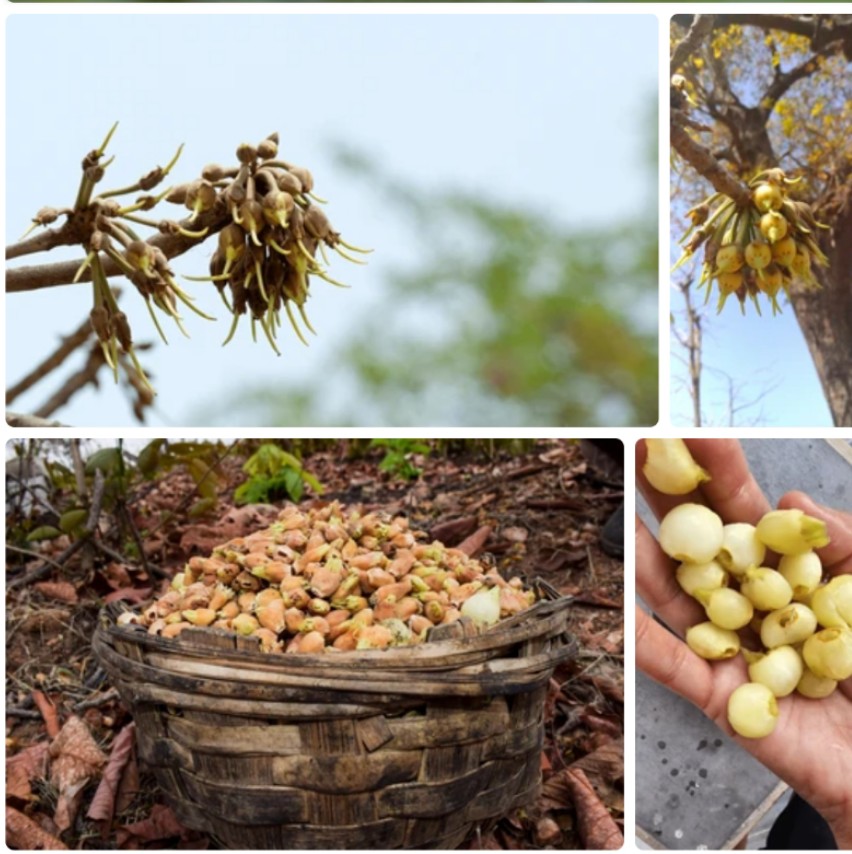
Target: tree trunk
<point>825,317</point>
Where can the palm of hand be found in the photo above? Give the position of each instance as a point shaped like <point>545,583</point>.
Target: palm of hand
<point>811,747</point>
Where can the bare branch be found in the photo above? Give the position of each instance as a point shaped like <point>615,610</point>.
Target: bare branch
<point>701,159</point>
<point>41,242</point>
<point>77,381</point>
<point>69,344</point>
<point>699,29</point>
<point>39,276</point>
<point>16,419</point>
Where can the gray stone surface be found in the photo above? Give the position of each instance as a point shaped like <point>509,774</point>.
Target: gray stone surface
<point>695,787</point>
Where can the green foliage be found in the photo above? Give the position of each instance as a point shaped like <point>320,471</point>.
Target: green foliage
<point>508,318</point>
<point>397,459</point>
<point>274,474</point>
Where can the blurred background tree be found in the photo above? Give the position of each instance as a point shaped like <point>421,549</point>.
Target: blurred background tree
<point>773,90</point>
<point>508,318</point>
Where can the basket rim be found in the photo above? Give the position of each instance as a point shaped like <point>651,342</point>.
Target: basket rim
<point>545,619</point>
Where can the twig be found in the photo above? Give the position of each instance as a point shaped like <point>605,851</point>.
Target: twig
<point>41,242</point>
<point>77,381</point>
<point>701,27</point>
<point>94,514</point>
<point>28,714</point>
<point>69,344</point>
<point>140,546</point>
<point>38,276</point>
<point>18,419</point>
<point>79,469</point>
<point>31,553</point>
<point>40,572</point>
<point>701,159</point>
<point>94,702</point>
<point>97,500</point>
<point>151,569</point>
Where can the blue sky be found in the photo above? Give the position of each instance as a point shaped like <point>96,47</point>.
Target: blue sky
<point>538,109</point>
<point>760,354</point>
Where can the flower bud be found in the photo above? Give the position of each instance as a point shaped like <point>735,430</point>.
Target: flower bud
<point>790,625</point>
<point>730,259</point>
<point>790,532</point>
<point>832,603</point>
<point>758,255</point>
<point>803,573</point>
<point>784,251</point>
<point>711,642</point>
<point>726,608</point>
<point>773,226</point>
<point>752,710</point>
<point>815,687</point>
<point>779,670</point>
<point>767,197</point>
<point>701,576</point>
<point>741,548</point>
<point>246,153</point>
<point>692,533</point>
<point>669,466</point>
<point>828,653</point>
<point>267,149</point>
<point>767,589</point>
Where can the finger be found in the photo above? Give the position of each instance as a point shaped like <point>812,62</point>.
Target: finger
<point>836,557</point>
<point>657,585</point>
<point>732,491</point>
<point>669,661</point>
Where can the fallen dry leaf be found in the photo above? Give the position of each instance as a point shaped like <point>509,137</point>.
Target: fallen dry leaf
<point>48,712</point>
<point>29,764</point>
<point>596,826</point>
<point>605,763</point>
<point>117,576</point>
<point>64,591</point>
<point>134,595</point>
<point>161,824</point>
<point>475,541</point>
<point>547,832</point>
<point>515,534</point>
<point>76,760</point>
<point>25,835</point>
<point>454,531</point>
<point>103,803</point>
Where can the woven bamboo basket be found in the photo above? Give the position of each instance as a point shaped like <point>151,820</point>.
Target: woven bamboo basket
<point>406,748</point>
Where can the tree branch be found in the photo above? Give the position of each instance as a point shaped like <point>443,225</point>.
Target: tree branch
<point>17,419</point>
<point>41,242</point>
<point>784,80</point>
<point>79,380</point>
<point>700,28</point>
<point>701,159</point>
<point>69,344</point>
<point>38,276</point>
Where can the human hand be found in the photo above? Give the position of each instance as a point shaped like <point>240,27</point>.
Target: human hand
<point>811,747</point>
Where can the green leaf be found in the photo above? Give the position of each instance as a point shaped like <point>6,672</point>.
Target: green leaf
<point>107,460</point>
<point>149,458</point>
<point>73,520</point>
<point>205,479</point>
<point>293,483</point>
<point>43,532</point>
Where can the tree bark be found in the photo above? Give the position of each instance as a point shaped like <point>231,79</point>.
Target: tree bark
<point>825,318</point>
